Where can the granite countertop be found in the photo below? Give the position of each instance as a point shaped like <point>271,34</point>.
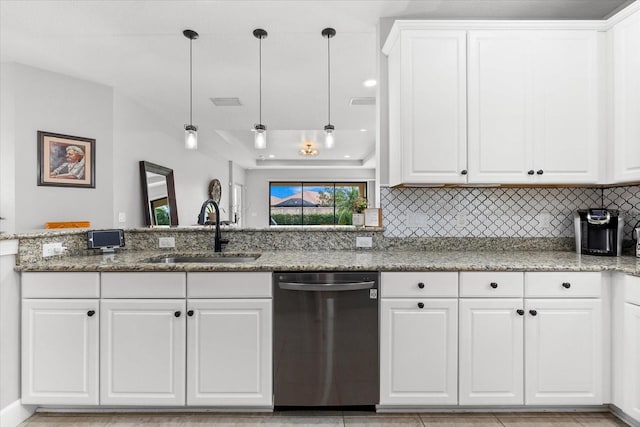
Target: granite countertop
<point>351,260</point>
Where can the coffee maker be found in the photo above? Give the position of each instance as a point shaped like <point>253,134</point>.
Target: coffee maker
<point>598,231</point>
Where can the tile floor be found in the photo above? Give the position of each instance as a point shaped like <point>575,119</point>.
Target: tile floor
<point>325,419</point>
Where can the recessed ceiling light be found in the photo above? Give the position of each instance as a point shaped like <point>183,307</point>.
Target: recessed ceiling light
<point>363,130</point>
<point>346,156</point>
<point>271,156</point>
<point>369,83</point>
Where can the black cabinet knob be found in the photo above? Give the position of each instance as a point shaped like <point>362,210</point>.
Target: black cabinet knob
<point>463,172</point>
<point>421,285</point>
<point>566,285</point>
<point>190,313</point>
<point>493,285</point>
<point>533,312</point>
<point>539,171</point>
<point>177,314</point>
<point>91,313</point>
<point>420,305</point>
<point>530,172</point>
<point>520,312</point>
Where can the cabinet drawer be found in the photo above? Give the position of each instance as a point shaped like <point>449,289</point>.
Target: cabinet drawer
<point>60,285</point>
<point>419,284</point>
<point>563,284</point>
<point>488,284</point>
<point>632,289</point>
<point>229,285</point>
<point>143,285</point>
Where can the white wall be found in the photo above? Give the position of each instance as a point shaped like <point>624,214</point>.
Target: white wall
<point>256,207</point>
<point>141,135</point>
<point>7,148</point>
<point>46,101</point>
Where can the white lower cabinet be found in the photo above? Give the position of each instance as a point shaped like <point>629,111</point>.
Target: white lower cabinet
<point>563,349</point>
<point>419,339</point>
<point>229,352</point>
<point>543,351</point>
<point>631,364</point>
<point>142,346</point>
<point>491,351</point>
<point>60,351</point>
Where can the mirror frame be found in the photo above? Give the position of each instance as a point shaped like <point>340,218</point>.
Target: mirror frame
<point>171,191</point>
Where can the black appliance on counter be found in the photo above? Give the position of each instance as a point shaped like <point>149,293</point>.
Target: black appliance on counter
<point>326,338</point>
<point>598,231</point>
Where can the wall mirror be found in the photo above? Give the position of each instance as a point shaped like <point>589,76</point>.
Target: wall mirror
<point>158,195</point>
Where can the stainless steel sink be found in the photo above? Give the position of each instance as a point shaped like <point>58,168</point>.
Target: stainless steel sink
<point>205,259</point>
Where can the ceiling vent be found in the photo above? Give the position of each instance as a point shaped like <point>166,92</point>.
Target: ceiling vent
<point>226,102</point>
<point>362,101</point>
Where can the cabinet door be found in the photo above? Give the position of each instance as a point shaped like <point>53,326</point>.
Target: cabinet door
<point>563,351</point>
<point>565,101</point>
<point>500,110</point>
<point>626,99</point>
<point>428,134</point>
<point>60,352</point>
<point>142,347</point>
<point>491,352</point>
<point>631,366</point>
<point>229,355</point>
<point>419,352</point>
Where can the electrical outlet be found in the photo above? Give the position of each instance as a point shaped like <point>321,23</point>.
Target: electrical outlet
<point>417,219</point>
<point>167,242</point>
<point>51,249</point>
<point>544,220</point>
<point>122,217</point>
<point>364,242</point>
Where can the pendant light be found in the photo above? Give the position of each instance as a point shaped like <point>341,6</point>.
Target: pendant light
<point>190,130</point>
<point>328,128</point>
<point>260,136</point>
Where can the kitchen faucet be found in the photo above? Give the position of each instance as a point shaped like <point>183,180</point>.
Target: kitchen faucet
<point>217,241</point>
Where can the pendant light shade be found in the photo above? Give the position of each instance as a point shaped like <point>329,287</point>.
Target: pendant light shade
<point>260,135</point>
<point>329,142</point>
<point>190,130</point>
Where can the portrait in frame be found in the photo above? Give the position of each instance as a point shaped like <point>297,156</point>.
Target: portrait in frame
<point>66,161</point>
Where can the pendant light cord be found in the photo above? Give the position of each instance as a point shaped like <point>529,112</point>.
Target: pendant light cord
<point>329,77</point>
<point>191,82</point>
<point>260,79</point>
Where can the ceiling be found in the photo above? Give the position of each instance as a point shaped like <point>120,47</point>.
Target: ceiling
<point>137,47</point>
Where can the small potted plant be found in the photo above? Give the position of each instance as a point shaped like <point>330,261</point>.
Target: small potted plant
<point>358,206</point>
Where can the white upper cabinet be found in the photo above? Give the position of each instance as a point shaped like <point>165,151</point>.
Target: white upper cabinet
<point>533,107</point>
<point>626,99</point>
<point>427,106</point>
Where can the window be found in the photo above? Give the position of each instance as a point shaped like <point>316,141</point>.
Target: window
<point>313,203</point>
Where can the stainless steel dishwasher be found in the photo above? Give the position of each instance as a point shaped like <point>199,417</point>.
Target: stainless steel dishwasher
<point>326,339</point>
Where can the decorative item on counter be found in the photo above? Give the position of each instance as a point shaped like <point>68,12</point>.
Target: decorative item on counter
<point>105,240</point>
<point>373,217</point>
<point>359,205</point>
<point>67,224</point>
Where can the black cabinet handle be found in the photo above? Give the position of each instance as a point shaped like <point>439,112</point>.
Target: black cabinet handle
<point>190,313</point>
<point>177,314</point>
<point>566,285</point>
<point>463,172</point>
<point>520,312</point>
<point>533,312</point>
<point>539,171</point>
<point>420,305</point>
<point>91,313</point>
<point>530,172</point>
<point>493,285</point>
<point>421,285</point>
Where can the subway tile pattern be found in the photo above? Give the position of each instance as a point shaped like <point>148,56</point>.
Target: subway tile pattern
<point>497,211</point>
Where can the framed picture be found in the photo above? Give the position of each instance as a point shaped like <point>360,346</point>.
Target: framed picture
<point>66,161</point>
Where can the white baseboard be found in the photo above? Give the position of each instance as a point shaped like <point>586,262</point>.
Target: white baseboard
<point>15,413</point>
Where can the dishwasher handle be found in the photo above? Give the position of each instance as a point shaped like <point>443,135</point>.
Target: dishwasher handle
<point>327,287</point>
